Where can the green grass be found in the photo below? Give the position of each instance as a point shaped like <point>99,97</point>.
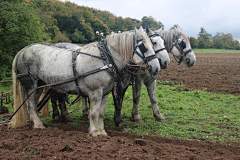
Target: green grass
<point>192,115</point>
<point>215,51</point>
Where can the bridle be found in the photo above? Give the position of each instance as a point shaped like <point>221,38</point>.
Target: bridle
<point>140,45</point>
<point>154,43</point>
<point>165,43</point>
<point>180,47</point>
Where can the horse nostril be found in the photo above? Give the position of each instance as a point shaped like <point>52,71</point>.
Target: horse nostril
<point>157,70</point>
<point>149,67</point>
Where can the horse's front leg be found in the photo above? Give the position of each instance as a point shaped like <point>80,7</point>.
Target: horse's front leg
<point>118,107</point>
<point>101,115</point>
<point>95,99</point>
<point>32,101</point>
<point>136,97</point>
<point>151,88</point>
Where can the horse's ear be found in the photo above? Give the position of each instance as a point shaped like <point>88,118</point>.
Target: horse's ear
<point>135,30</point>
<point>147,29</point>
<point>159,30</point>
<point>137,34</point>
<point>141,28</point>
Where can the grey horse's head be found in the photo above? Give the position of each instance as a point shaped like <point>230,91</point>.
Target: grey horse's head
<point>159,46</point>
<point>144,43</point>
<point>180,47</point>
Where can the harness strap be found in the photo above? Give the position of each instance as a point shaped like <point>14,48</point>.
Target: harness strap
<point>104,58</point>
<point>30,74</point>
<point>74,57</point>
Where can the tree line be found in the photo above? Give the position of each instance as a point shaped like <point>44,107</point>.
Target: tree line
<point>218,41</point>
<point>23,22</point>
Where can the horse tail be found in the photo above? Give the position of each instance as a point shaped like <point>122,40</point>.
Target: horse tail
<point>20,118</point>
<point>45,109</point>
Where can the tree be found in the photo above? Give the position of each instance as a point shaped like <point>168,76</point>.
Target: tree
<point>19,27</point>
<point>60,38</point>
<point>161,25</point>
<point>175,26</point>
<point>194,42</point>
<point>203,34</point>
<point>78,37</point>
<point>150,21</point>
<point>204,39</point>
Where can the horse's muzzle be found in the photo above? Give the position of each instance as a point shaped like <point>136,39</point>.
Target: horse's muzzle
<point>163,65</point>
<point>188,62</point>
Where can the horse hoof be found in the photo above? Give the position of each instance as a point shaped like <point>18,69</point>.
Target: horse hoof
<point>39,126</point>
<point>138,120</point>
<point>122,127</point>
<point>161,120</point>
<point>67,118</point>
<point>95,134</point>
<point>104,133</point>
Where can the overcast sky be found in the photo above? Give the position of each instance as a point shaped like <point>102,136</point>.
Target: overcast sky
<point>214,15</point>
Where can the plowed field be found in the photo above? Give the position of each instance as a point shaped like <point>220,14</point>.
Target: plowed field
<point>218,73</point>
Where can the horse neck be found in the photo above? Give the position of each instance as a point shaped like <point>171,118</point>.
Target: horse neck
<point>170,38</point>
<point>112,43</point>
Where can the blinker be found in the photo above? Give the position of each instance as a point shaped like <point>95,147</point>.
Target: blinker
<point>183,45</point>
<point>142,48</point>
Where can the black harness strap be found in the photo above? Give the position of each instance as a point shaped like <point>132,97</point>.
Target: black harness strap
<point>180,49</point>
<point>104,58</point>
<point>74,57</point>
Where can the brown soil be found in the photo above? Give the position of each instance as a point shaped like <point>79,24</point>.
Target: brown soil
<point>69,142</point>
<point>218,73</point>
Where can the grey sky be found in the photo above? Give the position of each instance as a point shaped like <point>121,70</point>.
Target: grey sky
<point>214,15</point>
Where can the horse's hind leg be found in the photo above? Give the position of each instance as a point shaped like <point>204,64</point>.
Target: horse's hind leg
<point>136,97</point>
<point>55,115</point>
<point>64,112</point>
<point>95,98</point>
<point>32,101</point>
<point>101,115</point>
<point>85,107</point>
<point>151,88</point>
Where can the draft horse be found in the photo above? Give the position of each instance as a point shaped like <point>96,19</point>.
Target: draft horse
<point>70,73</point>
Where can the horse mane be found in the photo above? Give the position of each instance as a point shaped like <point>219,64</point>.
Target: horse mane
<point>171,36</point>
<point>123,43</point>
<point>185,38</point>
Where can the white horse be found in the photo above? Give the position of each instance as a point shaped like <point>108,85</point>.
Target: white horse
<point>150,82</point>
<point>179,46</point>
<point>51,66</point>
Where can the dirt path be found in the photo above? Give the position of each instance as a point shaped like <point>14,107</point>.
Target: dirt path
<point>216,72</point>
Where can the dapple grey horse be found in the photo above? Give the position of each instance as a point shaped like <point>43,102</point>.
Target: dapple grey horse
<point>177,44</point>
<point>150,82</point>
<point>49,65</point>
